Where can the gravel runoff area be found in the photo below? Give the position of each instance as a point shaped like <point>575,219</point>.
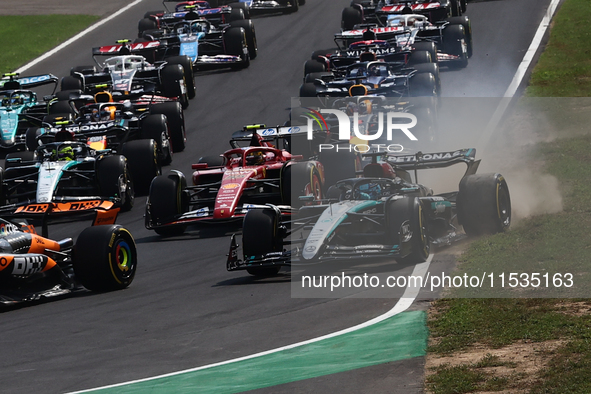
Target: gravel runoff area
<point>46,7</point>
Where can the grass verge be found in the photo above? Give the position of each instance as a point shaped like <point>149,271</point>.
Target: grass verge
<point>29,36</point>
<point>542,345</point>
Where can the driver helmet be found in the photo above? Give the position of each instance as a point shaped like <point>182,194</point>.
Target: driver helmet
<point>374,70</point>
<point>108,113</point>
<point>16,99</point>
<point>255,158</point>
<point>65,153</point>
<point>370,191</point>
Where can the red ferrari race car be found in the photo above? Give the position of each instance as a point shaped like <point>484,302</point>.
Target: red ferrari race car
<point>34,268</point>
<point>225,187</point>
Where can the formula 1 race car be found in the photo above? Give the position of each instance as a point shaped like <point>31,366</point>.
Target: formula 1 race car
<point>231,44</point>
<point>106,124</point>
<point>189,10</point>
<point>261,7</point>
<point>225,187</point>
<point>377,11</point>
<point>35,268</point>
<point>382,214</point>
<point>61,179</point>
<point>372,78</point>
<point>448,42</point>
<point>133,75</point>
<point>20,108</point>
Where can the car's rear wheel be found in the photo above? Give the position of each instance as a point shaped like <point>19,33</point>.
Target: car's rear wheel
<point>176,123</point>
<point>484,204</point>
<point>114,180</point>
<point>187,64</point>
<point>234,43</point>
<point>155,127</point>
<point>71,83</point>
<point>455,43</point>
<point>165,202</point>
<point>145,25</point>
<point>260,235</point>
<point>105,258</point>
<point>251,36</point>
<point>142,161</point>
<point>174,84</point>
<point>350,17</point>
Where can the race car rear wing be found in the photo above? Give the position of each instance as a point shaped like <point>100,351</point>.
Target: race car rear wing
<point>422,161</point>
<point>15,81</point>
<point>269,134</point>
<point>113,50</point>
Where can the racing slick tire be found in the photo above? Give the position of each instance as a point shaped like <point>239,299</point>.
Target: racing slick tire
<point>350,17</point>
<point>251,35</point>
<point>145,25</point>
<point>465,22</point>
<point>173,83</point>
<point>114,179</point>
<point>308,89</point>
<point>420,57</point>
<point>142,161</point>
<point>302,2</point>
<point>408,229</point>
<point>261,235</point>
<point>484,204</point>
<point>338,165</point>
<point>176,122</point>
<point>432,68</point>
<point>423,85</point>
<point>237,14</point>
<point>243,7</point>
<point>105,258</point>
<point>313,66</point>
<point>71,83</point>
<point>212,161</point>
<point>165,201</point>
<point>453,35</point>
<point>234,43</point>
<point>187,64</point>
<point>31,141</point>
<point>298,179</point>
<point>428,46</point>
<point>156,127</point>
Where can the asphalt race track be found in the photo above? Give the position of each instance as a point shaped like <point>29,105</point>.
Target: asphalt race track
<point>184,309</point>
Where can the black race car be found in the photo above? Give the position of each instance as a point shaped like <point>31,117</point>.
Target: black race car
<point>64,179</point>
<point>378,11</point>
<point>382,214</point>
<point>132,75</point>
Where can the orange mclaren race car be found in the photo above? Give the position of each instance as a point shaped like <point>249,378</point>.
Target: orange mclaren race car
<point>33,267</point>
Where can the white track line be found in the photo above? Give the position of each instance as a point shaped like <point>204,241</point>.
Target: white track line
<point>76,37</point>
<point>519,75</point>
<point>410,294</point>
